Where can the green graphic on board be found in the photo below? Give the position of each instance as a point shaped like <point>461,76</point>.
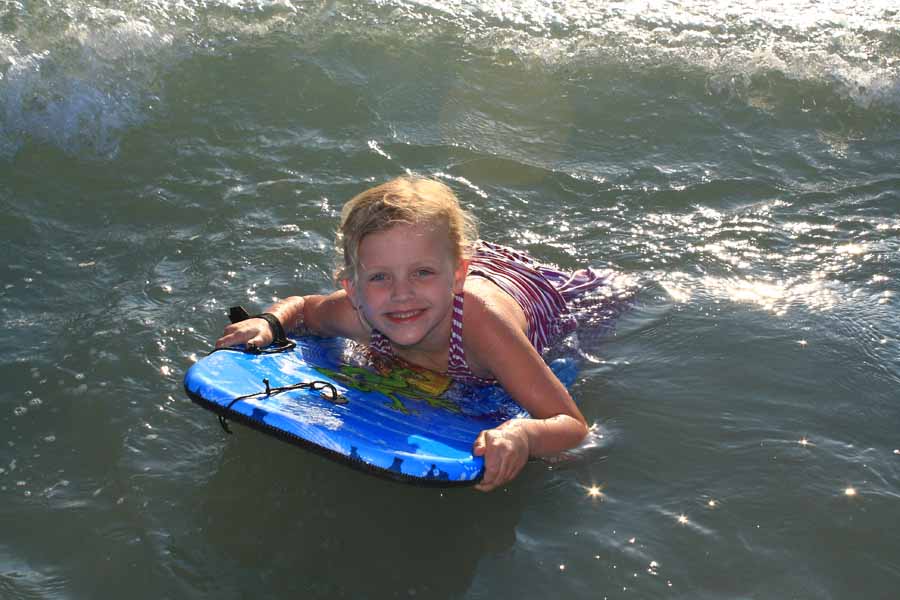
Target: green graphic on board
<point>396,382</point>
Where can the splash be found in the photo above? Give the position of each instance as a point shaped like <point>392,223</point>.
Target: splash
<point>850,49</point>
<point>76,78</point>
<point>78,75</point>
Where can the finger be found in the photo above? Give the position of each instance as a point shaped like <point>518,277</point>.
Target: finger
<point>223,341</point>
<point>489,469</point>
<point>485,486</point>
<point>508,474</point>
<point>257,342</point>
<point>230,339</point>
<point>508,467</point>
<point>491,473</point>
<point>480,445</point>
<point>489,478</point>
<point>488,486</point>
<point>503,475</point>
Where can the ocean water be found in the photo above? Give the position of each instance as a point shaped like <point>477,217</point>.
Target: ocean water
<point>163,160</point>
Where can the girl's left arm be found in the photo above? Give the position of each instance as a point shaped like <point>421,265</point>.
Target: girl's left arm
<point>497,344</point>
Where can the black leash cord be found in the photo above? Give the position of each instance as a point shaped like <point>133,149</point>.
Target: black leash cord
<point>328,391</point>
<point>283,346</point>
<point>280,343</point>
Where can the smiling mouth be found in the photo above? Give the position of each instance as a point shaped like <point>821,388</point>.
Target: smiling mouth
<point>406,315</point>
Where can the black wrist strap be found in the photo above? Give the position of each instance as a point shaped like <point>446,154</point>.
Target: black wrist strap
<point>278,335</point>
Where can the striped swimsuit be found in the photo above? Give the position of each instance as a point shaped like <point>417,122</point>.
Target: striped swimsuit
<point>540,290</point>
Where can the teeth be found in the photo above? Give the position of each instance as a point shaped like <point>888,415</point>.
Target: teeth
<point>404,315</point>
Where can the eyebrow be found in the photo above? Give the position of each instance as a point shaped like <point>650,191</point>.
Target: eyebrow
<point>414,265</point>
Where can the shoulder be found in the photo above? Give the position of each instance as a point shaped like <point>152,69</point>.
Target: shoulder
<point>335,315</point>
<point>493,327</point>
<point>486,304</point>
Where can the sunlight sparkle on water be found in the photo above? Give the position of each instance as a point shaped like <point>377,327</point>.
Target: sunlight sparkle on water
<point>682,519</point>
<point>851,249</point>
<point>676,291</point>
<point>595,491</point>
<point>850,491</point>
<point>774,296</point>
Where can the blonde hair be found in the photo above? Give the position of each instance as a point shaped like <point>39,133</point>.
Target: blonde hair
<point>409,200</point>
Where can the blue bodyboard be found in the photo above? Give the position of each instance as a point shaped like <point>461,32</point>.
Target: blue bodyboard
<point>388,418</point>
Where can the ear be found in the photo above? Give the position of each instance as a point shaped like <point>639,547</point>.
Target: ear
<point>459,276</point>
<point>350,289</point>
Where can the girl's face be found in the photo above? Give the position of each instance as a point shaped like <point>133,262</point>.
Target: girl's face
<point>405,282</point>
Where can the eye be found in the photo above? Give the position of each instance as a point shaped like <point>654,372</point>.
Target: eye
<point>420,273</point>
<point>377,277</point>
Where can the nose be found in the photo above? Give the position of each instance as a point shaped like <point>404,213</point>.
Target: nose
<point>402,289</point>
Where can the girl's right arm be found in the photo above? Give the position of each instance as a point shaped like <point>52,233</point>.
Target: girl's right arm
<point>327,316</point>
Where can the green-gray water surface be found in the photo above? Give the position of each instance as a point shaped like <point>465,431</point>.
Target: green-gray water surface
<point>161,161</point>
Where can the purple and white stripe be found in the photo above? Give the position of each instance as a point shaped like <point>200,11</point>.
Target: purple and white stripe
<point>457,366</point>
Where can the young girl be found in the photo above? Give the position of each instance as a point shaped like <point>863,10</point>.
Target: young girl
<point>416,285</point>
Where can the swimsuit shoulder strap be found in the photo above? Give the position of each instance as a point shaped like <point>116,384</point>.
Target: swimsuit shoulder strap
<point>457,366</point>
<point>457,356</point>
